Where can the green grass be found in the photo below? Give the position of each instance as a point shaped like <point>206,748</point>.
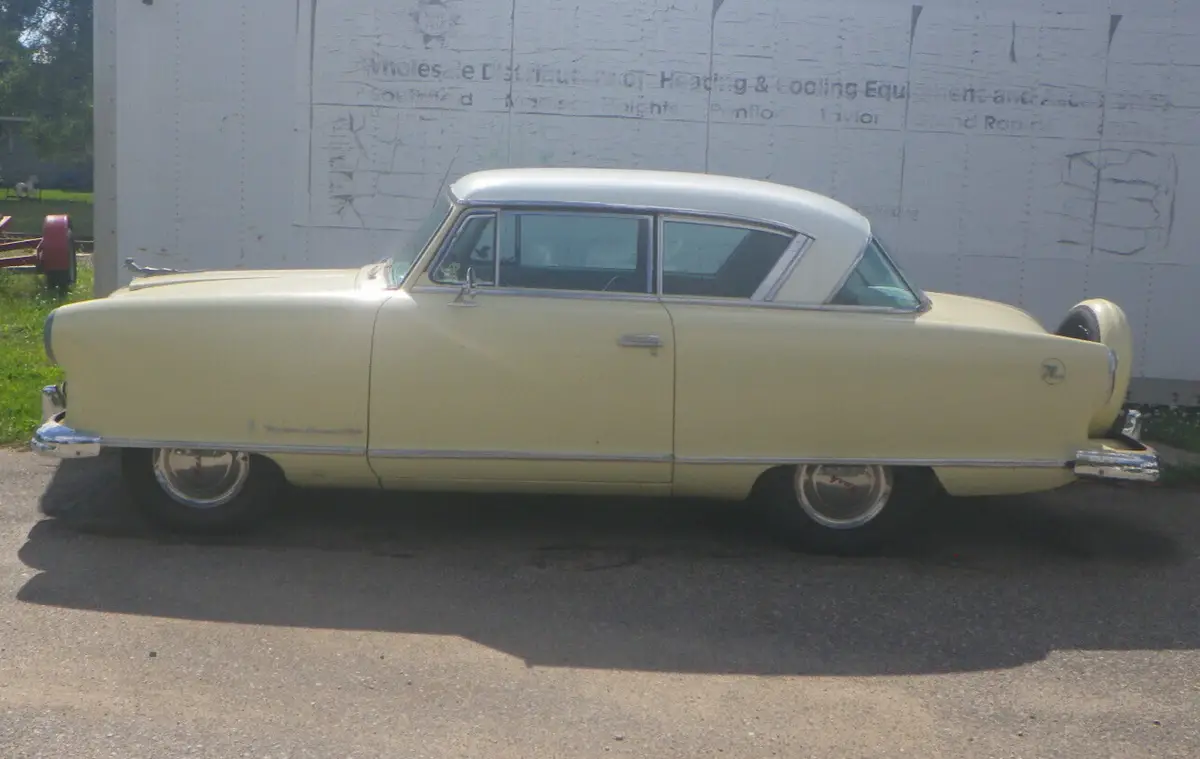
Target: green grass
<point>1175,426</point>
<point>28,215</point>
<point>25,302</point>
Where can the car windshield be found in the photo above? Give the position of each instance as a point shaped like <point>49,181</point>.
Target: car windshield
<point>401,261</point>
<point>876,281</point>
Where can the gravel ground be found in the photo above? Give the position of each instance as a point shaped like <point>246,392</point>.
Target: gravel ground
<point>355,626</point>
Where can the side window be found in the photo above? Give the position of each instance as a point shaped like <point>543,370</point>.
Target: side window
<point>876,281</point>
<point>716,260</point>
<point>575,251</point>
<point>473,245</point>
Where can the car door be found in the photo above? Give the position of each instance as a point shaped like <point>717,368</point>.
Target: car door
<point>557,368</point>
<point>740,364</point>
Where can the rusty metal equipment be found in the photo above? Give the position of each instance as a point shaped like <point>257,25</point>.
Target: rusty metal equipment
<point>54,253</point>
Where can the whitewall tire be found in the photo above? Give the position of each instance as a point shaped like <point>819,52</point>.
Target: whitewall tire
<point>844,509</point>
<point>195,491</point>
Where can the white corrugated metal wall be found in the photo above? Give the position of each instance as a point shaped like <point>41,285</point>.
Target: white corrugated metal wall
<point>1033,151</point>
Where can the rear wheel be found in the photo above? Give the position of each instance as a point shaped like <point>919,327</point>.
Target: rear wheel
<point>196,491</point>
<point>844,509</point>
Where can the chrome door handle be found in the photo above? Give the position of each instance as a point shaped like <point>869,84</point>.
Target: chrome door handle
<point>640,341</point>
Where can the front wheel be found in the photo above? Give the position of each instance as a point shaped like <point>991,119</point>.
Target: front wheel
<point>195,491</point>
<point>844,509</point>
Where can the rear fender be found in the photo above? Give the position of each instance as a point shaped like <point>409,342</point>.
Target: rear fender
<point>1101,321</point>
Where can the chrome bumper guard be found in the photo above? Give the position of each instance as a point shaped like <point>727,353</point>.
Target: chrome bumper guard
<point>54,438</point>
<point>1140,465</point>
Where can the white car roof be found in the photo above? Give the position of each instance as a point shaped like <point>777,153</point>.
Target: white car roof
<point>839,232</point>
<point>792,207</point>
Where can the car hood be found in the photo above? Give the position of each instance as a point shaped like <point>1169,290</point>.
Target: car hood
<point>254,282</point>
<point>977,312</point>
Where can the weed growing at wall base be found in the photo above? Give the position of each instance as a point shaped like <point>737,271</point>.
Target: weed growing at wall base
<point>24,369</point>
<point>1179,428</point>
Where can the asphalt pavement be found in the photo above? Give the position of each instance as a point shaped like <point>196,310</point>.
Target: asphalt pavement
<point>1062,625</point>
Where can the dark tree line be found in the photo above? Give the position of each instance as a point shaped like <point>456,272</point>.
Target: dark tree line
<point>46,73</point>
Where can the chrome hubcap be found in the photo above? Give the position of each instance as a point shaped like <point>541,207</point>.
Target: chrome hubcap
<point>201,479</point>
<point>842,497</point>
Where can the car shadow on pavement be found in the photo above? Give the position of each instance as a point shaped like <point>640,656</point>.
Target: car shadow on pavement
<point>680,586</point>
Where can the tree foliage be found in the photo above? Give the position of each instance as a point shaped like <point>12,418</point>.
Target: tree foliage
<point>46,73</point>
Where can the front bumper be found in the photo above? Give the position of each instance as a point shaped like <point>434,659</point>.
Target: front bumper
<point>54,438</point>
<point>1130,460</point>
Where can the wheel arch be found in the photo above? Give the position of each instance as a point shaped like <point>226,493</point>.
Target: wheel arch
<point>771,475</point>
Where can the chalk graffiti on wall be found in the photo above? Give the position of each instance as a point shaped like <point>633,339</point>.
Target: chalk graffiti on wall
<point>408,89</point>
<point>1122,201</point>
<point>434,19</point>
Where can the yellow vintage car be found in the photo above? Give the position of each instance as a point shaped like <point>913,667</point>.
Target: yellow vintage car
<point>591,331</point>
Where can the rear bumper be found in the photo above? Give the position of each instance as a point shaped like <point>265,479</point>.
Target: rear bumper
<point>54,438</point>
<point>1125,457</point>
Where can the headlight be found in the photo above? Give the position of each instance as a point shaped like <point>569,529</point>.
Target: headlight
<point>47,342</point>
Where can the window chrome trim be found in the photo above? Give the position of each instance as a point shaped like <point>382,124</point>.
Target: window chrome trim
<point>530,292</point>
<point>923,302</point>
<point>842,280</point>
<point>496,249</point>
<point>660,252</point>
<point>776,277</point>
<point>569,205</point>
<point>656,216</point>
<point>460,225</point>
<point>453,210</point>
<point>669,300</point>
<point>686,300</point>
<point>782,271</point>
<point>605,212</point>
<point>497,212</point>
<point>722,221</point>
<point>548,211</point>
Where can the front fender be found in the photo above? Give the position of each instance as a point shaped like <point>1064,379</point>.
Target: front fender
<point>265,372</point>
